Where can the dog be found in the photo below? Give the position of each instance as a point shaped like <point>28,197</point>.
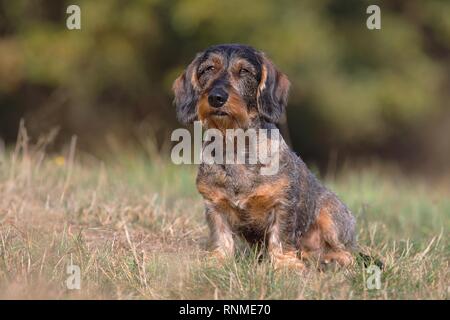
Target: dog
<point>290,213</point>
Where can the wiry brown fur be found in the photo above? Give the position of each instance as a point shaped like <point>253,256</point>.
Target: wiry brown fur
<point>291,213</point>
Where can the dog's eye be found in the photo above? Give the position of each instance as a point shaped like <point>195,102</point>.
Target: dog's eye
<point>243,72</point>
<point>207,69</point>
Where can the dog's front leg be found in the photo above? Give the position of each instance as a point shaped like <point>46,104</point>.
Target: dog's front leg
<point>221,235</point>
<point>282,254</point>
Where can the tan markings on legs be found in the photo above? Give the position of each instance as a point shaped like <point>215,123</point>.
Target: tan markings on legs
<point>282,257</point>
<point>217,199</point>
<point>332,249</point>
<point>322,240</point>
<point>311,243</point>
<point>221,236</point>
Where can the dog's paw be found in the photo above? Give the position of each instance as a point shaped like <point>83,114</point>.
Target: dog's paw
<point>288,262</point>
<point>218,256</point>
<point>342,258</point>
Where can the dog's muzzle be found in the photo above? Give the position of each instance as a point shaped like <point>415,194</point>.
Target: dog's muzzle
<point>217,97</point>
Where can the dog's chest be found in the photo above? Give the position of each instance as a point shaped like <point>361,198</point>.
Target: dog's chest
<point>241,192</point>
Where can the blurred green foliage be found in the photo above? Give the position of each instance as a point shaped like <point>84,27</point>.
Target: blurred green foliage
<point>352,88</point>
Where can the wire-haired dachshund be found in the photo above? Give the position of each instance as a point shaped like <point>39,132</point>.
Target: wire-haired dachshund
<point>290,213</point>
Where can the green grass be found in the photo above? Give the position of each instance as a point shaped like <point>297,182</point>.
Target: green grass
<point>135,227</point>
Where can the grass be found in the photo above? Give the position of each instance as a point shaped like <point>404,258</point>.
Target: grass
<point>135,227</point>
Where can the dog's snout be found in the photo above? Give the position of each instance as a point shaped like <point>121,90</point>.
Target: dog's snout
<point>217,97</point>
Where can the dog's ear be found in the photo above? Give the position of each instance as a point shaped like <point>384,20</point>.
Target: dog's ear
<point>272,92</point>
<point>186,90</point>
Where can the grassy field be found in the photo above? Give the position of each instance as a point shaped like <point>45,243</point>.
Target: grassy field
<point>135,227</point>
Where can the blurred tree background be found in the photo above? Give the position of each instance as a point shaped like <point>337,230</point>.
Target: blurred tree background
<point>355,92</point>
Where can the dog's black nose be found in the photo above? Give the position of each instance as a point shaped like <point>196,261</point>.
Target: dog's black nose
<point>217,97</point>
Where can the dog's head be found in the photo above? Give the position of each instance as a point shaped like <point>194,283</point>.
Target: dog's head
<point>226,85</point>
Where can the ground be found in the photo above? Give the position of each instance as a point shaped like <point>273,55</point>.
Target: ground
<point>135,227</point>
